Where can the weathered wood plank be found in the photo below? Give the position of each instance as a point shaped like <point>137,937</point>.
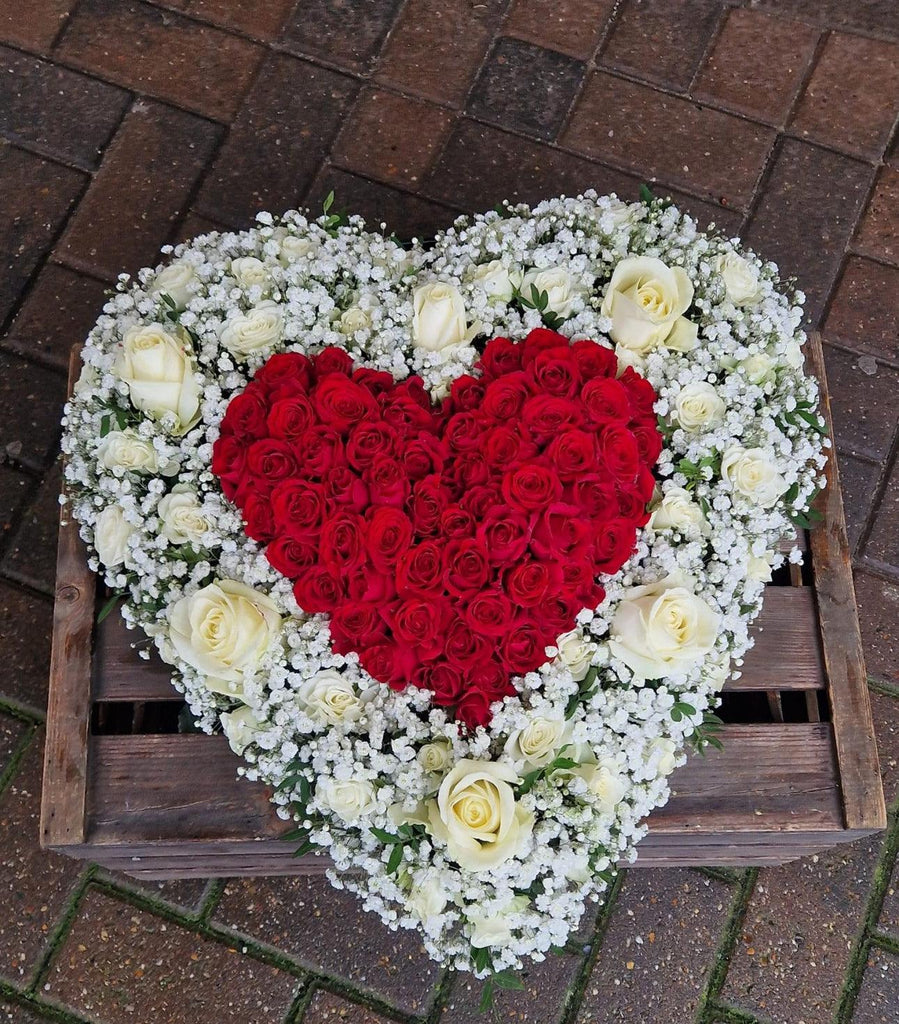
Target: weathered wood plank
<point>853,724</point>
<point>119,671</point>
<point>68,706</point>
<point>787,653</point>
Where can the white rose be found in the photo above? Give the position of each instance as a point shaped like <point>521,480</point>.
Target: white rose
<point>226,687</point>
<point>614,213</point>
<point>181,516</point>
<point>667,753</point>
<point>125,449</point>
<point>646,300</point>
<point>793,356</point>
<point>436,757</point>
<point>678,511</point>
<point>355,319</point>
<point>489,930</point>
<point>758,367</point>
<point>255,331</point>
<point>348,799</point>
<point>558,285</point>
<point>605,782</point>
<point>111,535</point>
<point>751,472</point>
<point>329,698</point>
<point>663,628</point>
<point>439,319</point>
<point>496,280</point>
<point>741,279</point>
<point>699,405</point>
<point>576,653</point>
<point>240,727</point>
<point>759,567</point>
<point>537,742</point>
<point>175,281</point>
<point>249,271</point>
<point>476,815</point>
<point>159,374</point>
<point>224,629</point>
<point>428,897</point>
<point>293,248</point>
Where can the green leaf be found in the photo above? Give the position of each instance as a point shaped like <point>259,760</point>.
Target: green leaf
<point>395,859</point>
<point>481,958</point>
<point>386,837</point>
<point>108,606</point>
<point>506,979</point>
<point>486,1002</point>
<point>294,834</point>
<point>817,425</point>
<point>169,301</point>
<point>307,847</point>
<point>329,201</point>
<point>527,783</point>
<point>646,194</point>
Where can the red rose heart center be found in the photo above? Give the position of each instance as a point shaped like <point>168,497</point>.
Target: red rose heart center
<point>449,543</point>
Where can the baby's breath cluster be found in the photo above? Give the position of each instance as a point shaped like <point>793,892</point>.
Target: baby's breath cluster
<point>490,842</point>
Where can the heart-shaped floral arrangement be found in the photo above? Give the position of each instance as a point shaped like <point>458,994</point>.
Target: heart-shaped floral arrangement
<point>532,478</point>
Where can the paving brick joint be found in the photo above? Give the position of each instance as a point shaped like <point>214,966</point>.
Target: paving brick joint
<point>127,124</point>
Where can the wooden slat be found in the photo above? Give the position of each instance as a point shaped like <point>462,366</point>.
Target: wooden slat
<point>798,540</point>
<point>68,706</point>
<point>119,671</point>
<point>787,653</point>
<point>853,723</point>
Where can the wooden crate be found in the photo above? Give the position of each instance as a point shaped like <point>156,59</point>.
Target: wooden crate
<point>798,771</point>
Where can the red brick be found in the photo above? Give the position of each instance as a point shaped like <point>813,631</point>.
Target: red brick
<point>15,1013</point>
<point>35,197</point>
<point>757,64</point>
<point>852,98</point>
<point>117,958</point>
<point>879,995</point>
<point>36,31</point>
<point>658,949</point>
<point>342,32</point>
<point>570,26</point>
<point>885,711</point>
<point>25,625</point>
<point>858,483</point>
<point>260,20</point>
<point>14,488</point>
<point>798,933</point>
<point>194,224</point>
<point>525,88</point>
<point>35,887</point>
<point>883,543</point>
<point>161,54</point>
<point>31,401</point>
<point>392,138</point>
<point>275,146</point>
<point>662,40</point>
<point>864,397</point>
<point>878,235</point>
<point>326,1008</point>
<point>60,309</point>
<point>807,214</point>
<point>328,930</point>
<point>436,47</point>
<point>864,314</point>
<point>547,988</point>
<point>878,613</point>
<point>405,215</point>
<point>656,135</point>
<point>187,893</point>
<point>32,550</point>
<point>879,16</point>
<point>141,189</point>
<point>12,733</point>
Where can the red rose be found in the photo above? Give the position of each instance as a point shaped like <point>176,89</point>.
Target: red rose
<point>369,440</point>
<point>390,663</point>
<point>456,523</point>
<point>469,469</point>
<point>505,446</point>
<point>387,482</point>
<point>430,498</point>
<point>466,392</point>
<point>246,414</point>
<point>595,495</point>
<point>505,534</point>
<point>463,647</point>
<point>317,590</point>
<point>649,440</point>
<point>465,566</point>
<point>539,340</point>
<point>365,583</point>
<point>619,451</point>
<point>572,453</point>
<point>556,615</point>
<point>342,541</point>
<point>531,486</point>
<point>492,679</point>
<point>489,612</point>
<point>606,400</point>
<point>418,623</point>
<point>291,556</point>
<point>559,531</point>
<point>319,450</point>
<point>407,408</point>
<point>340,403</point>
<point>594,360</point>
<point>259,517</point>
<point>528,583</point>
<point>504,398</point>
<point>463,432</point>
<point>388,534</point>
<point>420,570</point>
<point>473,709</point>
<point>332,360</point>
<point>269,461</point>
<point>614,544</point>
<point>376,382</point>
<point>289,418</point>
<point>479,500</point>
<point>344,487</point>
<point>285,368</point>
<point>229,456</point>
<point>299,507</point>
<point>546,415</point>
<point>555,372</point>
<point>423,455</point>
<point>500,356</point>
<point>523,649</point>
<point>443,679</point>
<point>641,392</point>
<point>355,626</point>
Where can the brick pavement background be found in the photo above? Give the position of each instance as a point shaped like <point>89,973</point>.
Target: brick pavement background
<point>127,124</point>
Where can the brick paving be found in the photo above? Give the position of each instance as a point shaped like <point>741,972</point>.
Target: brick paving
<point>126,124</point>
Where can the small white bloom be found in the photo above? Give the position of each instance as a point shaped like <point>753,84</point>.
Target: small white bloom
<point>558,285</point>
<point>496,280</point>
<point>537,743</point>
<point>349,799</point>
<point>240,727</point>
<point>127,450</point>
<point>428,897</point>
<point>758,367</point>
<point>182,517</point>
<point>329,698</point>
<point>249,271</point>
<point>258,330</point>
<point>699,406</point>
<point>576,652</point>
<point>752,473</point>
<point>677,511</point>
<point>646,300</point>
<point>667,752</point>
<point>741,278</point>
<point>175,281</point>
<point>436,757</point>
<point>160,375</point>
<point>111,535</point>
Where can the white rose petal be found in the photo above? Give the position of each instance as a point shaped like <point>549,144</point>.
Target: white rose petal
<point>249,271</point>
<point>160,375</point>
<point>741,279</point>
<point>576,653</point>
<point>537,743</point>
<point>348,799</point>
<point>111,536</point>
<point>181,516</point>
<point>436,757</point>
<point>175,281</point>
<point>497,281</point>
<point>557,284</point>
<point>258,330</point>
<point>698,406</point>
<point>752,473</point>
<point>240,727</point>
<point>678,511</point>
<point>329,698</point>
<point>439,319</point>
<point>126,450</point>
